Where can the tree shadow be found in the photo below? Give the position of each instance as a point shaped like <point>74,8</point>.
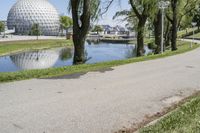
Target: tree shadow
<point>78,75</point>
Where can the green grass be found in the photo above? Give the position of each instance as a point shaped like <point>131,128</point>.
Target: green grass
<point>185,119</point>
<point>19,46</point>
<point>195,36</point>
<point>184,32</point>
<point>52,72</point>
<point>146,41</point>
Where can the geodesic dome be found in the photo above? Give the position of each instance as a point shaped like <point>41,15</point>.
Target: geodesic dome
<point>25,13</point>
<point>36,59</point>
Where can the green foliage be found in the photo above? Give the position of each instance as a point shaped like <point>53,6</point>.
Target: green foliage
<point>35,30</point>
<point>2,26</point>
<point>97,28</point>
<point>151,45</point>
<point>129,16</point>
<point>65,54</point>
<point>65,22</point>
<point>94,11</point>
<point>197,16</point>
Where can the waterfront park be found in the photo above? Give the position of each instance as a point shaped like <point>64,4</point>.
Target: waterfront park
<point>100,66</point>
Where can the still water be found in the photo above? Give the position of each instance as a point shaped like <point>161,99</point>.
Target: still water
<point>59,57</point>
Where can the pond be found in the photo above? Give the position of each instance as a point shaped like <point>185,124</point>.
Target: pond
<point>58,57</point>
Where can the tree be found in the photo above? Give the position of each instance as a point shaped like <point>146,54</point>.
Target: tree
<point>174,22</point>
<point>83,11</point>
<point>81,14</point>
<point>97,29</point>
<point>2,27</point>
<point>129,16</point>
<point>157,22</point>
<point>186,11</point>
<point>35,30</point>
<point>179,9</point>
<point>65,22</point>
<point>197,17</point>
<point>142,9</point>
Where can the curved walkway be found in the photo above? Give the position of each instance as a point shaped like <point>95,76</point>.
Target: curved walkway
<point>98,102</point>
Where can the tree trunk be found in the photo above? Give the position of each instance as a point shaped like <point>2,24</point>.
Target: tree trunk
<point>79,49</point>
<point>174,25</point>
<point>158,32</point>
<point>81,23</point>
<point>167,34</point>
<point>140,37</point>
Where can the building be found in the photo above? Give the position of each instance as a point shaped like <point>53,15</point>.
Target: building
<point>25,13</point>
<point>117,30</point>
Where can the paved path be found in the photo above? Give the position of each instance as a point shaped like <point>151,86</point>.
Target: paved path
<point>98,102</point>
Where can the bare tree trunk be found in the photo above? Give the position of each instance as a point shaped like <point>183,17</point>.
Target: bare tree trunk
<point>158,32</point>
<point>174,25</point>
<point>140,37</point>
<point>167,34</point>
<point>80,29</point>
<point>79,49</point>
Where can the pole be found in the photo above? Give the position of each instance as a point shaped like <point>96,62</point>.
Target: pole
<point>193,36</point>
<point>4,33</point>
<point>162,34</point>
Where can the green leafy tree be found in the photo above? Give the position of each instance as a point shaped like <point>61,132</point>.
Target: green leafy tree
<point>179,10</point>
<point>65,22</point>
<point>197,17</point>
<point>2,27</point>
<point>143,10</point>
<point>97,29</point>
<point>83,11</point>
<point>35,30</point>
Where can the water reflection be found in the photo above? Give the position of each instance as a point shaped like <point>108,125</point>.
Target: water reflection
<point>59,57</point>
<point>40,59</point>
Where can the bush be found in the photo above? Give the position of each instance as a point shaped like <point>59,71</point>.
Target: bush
<point>151,45</point>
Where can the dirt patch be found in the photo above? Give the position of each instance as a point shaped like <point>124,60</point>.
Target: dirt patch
<point>172,100</point>
<point>151,118</point>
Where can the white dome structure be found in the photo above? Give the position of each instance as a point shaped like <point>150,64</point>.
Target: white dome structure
<point>25,13</point>
<point>36,59</point>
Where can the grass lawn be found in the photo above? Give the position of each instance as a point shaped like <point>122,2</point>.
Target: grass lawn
<point>19,46</point>
<point>146,41</point>
<point>52,72</point>
<point>185,119</point>
<point>184,32</point>
<point>195,36</point>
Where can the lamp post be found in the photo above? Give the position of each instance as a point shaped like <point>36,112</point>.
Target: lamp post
<point>193,25</point>
<point>163,5</point>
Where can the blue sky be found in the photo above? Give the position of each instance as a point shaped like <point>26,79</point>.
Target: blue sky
<point>61,6</point>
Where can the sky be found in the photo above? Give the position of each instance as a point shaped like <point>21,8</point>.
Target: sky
<point>61,6</point>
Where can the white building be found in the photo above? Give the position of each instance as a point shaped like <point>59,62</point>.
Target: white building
<point>25,13</point>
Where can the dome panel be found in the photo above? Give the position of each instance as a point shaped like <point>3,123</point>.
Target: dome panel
<point>25,13</point>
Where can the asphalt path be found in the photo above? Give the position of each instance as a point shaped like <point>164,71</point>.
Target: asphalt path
<point>98,102</point>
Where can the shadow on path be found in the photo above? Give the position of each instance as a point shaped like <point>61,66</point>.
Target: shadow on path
<point>78,75</point>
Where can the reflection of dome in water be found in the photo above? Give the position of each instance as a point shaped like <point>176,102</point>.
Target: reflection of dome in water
<point>25,13</point>
<point>36,60</point>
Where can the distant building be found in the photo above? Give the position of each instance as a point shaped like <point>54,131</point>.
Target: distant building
<point>117,30</point>
<point>7,31</point>
<point>25,13</point>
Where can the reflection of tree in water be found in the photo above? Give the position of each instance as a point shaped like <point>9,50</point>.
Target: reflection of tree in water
<point>87,58</point>
<point>131,52</point>
<point>93,42</point>
<point>65,54</point>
